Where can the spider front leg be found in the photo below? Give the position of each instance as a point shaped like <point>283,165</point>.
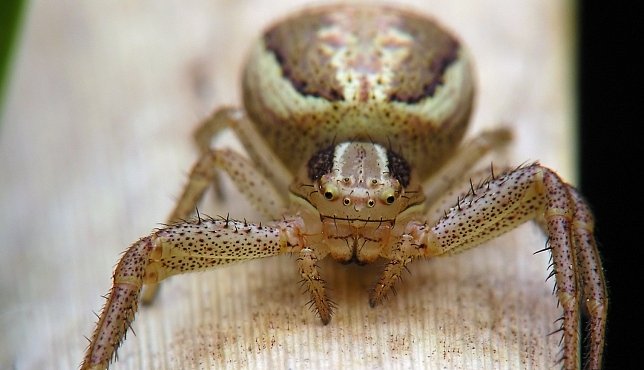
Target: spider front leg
<point>499,205</point>
<point>184,247</point>
<point>255,187</point>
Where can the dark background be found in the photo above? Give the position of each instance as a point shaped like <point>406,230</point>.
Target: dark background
<point>611,141</point>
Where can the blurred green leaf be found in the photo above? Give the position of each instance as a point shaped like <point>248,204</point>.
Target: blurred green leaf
<point>11,12</point>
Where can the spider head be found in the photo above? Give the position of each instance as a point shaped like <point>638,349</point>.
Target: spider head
<point>360,181</point>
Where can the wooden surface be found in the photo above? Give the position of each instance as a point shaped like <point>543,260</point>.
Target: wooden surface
<point>95,143</point>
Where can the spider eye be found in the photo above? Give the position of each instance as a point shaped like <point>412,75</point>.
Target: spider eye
<point>389,196</point>
<point>346,201</point>
<point>328,191</point>
<point>371,203</point>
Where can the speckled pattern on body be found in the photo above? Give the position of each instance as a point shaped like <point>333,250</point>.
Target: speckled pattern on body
<point>333,74</point>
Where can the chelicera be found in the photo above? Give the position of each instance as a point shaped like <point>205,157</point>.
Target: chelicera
<point>353,119</point>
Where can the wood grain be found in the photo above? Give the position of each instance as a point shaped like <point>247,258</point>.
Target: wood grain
<point>95,145</point>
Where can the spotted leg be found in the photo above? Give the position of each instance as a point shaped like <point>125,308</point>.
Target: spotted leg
<point>499,205</point>
<point>250,182</point>
<point>310,273</point>
<point>184,247</point>
<point>594,295</point>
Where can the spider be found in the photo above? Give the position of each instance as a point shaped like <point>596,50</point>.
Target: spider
<point>353,120</point>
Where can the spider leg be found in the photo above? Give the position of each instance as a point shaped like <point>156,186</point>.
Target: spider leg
<point>591,277</point>
<point>183,247</point>
<point>248,179</point>
<point>456,169</point>
<point>262,156</point>
<point>403,252</point>
<point>309,270</point>
<point>499,205</point>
